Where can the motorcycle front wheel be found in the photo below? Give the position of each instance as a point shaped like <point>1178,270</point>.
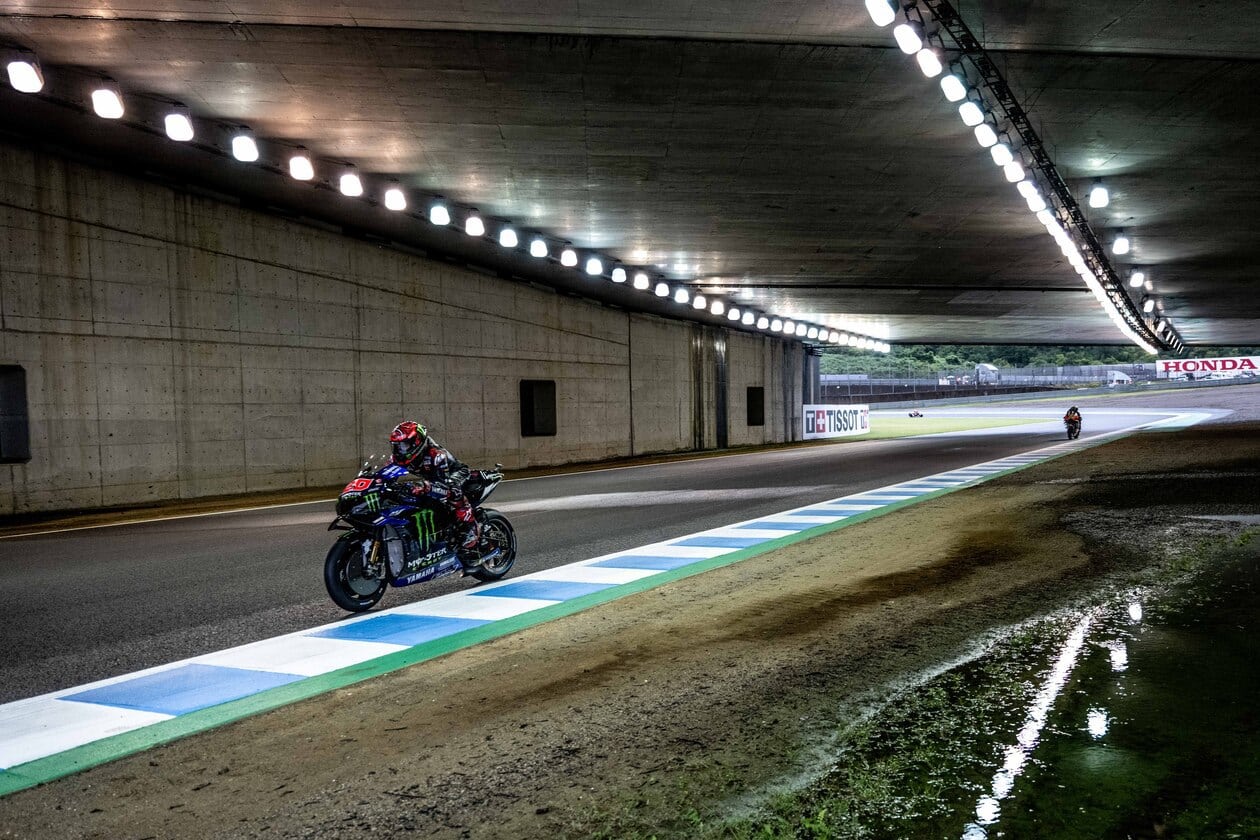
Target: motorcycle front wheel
<point>496,532</point>
<point>347,584</point>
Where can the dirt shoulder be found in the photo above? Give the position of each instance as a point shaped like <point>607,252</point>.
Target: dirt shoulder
<point>649,714</point>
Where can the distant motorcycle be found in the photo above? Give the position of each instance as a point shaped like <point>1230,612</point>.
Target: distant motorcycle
<point>1073,428</point>
<point>396,539</point>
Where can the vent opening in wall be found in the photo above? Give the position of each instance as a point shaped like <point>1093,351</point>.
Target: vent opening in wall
<point>756,406</point>
<point>15,429</point>
<point>538,407</point>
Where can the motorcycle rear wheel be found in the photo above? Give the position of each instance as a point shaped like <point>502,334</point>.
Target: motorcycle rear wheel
<point>344,578</point>
<point>496,532</point>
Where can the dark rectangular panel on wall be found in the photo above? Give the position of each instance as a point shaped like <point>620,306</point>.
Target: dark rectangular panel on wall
<point>756,405</point>
<point>538,407</point>
<point>15,434</point>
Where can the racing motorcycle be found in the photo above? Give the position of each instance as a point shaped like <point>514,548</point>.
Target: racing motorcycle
<point>1073,428</point>
<point>396,539</point>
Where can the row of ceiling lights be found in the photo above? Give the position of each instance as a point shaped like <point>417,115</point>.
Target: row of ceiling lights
<point>26,76</point>
<point>912,40</point>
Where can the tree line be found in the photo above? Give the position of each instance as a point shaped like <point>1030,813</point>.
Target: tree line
<point>952,357</point>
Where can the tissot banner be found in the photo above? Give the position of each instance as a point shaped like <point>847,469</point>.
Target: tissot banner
<point>1232,364</point>
<point>830,421</point>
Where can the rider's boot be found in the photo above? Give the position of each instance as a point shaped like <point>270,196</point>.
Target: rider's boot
<point>468,554</point>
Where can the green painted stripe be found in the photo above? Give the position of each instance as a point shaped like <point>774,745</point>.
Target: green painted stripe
<point>128,743</point>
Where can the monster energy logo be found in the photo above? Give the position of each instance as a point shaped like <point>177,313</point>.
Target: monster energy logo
<point>373,501</point>
<point>426,530</point>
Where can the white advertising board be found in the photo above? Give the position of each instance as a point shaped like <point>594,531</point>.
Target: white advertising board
<point>1199,368</point>
<point>832,421</point>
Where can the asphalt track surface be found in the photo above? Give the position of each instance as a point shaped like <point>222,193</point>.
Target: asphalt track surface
<point>83,605</point>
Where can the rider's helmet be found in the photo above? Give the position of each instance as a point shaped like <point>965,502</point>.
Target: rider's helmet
<point>407,441</point>
<point>1074,410</point>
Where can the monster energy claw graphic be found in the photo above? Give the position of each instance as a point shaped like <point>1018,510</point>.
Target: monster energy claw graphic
<point>426,530</point>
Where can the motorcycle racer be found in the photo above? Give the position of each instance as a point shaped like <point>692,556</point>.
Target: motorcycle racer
<point>441,475</point>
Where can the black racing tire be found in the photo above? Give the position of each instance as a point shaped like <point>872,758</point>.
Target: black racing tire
<point>344,565</point>
<point>496,532</point>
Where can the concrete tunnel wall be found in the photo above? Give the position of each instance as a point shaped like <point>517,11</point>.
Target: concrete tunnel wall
<point>178,346</point>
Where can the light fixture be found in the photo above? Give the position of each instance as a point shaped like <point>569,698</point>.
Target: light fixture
<point>508,238</point>
<point>395,199</point>
<point>1098,195</point>
<point>717,307</point>
<point>662,289</point>
<point>1161,325</point>
<point>179,125</point>
<point>618,275</point>
<point>681,295</point>
<point>1027,189</point>
<point>763,323</point>
<point>594,266</point>
<point>699,302</point>
<point>732,314</point>
<point>929,62</point>
<point>1120,246</point>
<point>812,332</point>
<point>641,281</point>
<point>107,100</point>
<point>244,147</point>
<point>473,224</point>
<point>801,329</point>
<point>789,327</point>
<point>25,74</point>
<point>954,88</point>
<point>300,167</point>
<point>881,12</point>
<point>1136,279</point>
<point>1001,154</point>
<point>538,248</point>
<point>748,319</point>
<point>568,258</point>
<point>909,37</point>
<point>1035,202</point>
<point>350,185</point>
<point>971,113</point>
<point>985,135</point>
<point>1014,171</point>
<point>439,215</point>
<point>776,325</point>
<point>1148,303</point>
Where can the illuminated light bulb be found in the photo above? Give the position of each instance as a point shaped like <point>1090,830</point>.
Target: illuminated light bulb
<point>971,113</point>
<point>1043,216</point>
<point>107,102</point>
<point>594,266</point>
<point>474,226</point>
<point>538,248</point>
<point>25,75</point>
<point>801,329</point>
<point>929,62</point>
<point>1136,279</point>
<point>508,238</point>
<point>985,135</point>
<point>1098,195</point>
<point>1026,188</point>
<point>618,275</point>
<point>717,307</point>
<point>776,325</point>
<point>395,199</point>
<point>641,281</point>
<point>439,215</point>
<point>681,296</point>
<point>748,319</point>
<point>350,185</point>
<point>908,37</point>
<point>244,147</point>
<point>699,302</point>
<point>812,332</point>
<point>662,289</point>
<point>881,12</point>
<point>179,127</point>
<point>954,88</point>
<point>1001,154</point>
<point>1035,202</point>
<point>1013,171</point>
<point>300,167</point>
<point>1121,246</point>
<point>763,323</point>
<point>568,258</point>
<point>1148,304</point>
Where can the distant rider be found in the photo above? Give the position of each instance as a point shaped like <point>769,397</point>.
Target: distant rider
<point>1073,415</point>
<point>442,477</point>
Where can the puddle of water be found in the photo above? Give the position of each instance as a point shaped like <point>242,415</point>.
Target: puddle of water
<point>1136,718</point>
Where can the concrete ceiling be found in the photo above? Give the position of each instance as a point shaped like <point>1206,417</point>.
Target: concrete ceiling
<point>785,153</point>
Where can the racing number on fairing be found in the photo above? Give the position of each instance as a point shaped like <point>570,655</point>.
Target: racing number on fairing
<point>358,485</point>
